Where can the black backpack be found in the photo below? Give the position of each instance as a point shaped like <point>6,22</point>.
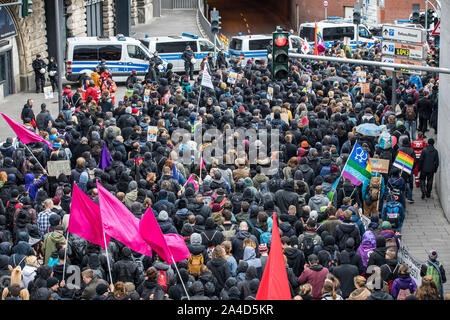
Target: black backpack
<point>307,245</point>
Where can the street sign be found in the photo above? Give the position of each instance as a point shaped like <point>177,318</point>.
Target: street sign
<point>408,34</point>
<point>437,29</point>
<point>325,3</point>
<point>403,50</point>
<point>403,61</point>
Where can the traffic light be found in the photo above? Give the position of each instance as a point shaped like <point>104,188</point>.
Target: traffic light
<point>280,54</point>
<point>25,8</point>
<point>415,17</point>
<point>357,14</point>
<point>215,21</point>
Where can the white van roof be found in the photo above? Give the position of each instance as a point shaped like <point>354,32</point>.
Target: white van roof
<point>171,38</point>
<point>327,24</point>
<point>96,40</point>
<point>258,36</point>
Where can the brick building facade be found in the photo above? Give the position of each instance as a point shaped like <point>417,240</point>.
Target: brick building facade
<point>302,11</point>
<point>35,33</point>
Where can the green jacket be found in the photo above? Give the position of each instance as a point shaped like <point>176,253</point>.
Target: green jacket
<point>50,244</point>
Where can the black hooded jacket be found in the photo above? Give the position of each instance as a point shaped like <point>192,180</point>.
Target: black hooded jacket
<point>287,197</point>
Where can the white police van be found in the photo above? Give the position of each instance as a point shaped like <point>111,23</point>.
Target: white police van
<point>337,29</point>
<point>171,48</point>
<point>255,46</point>
<point>122,55</point>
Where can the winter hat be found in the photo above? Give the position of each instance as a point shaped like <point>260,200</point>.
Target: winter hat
<point>126,252</point>
<point>187,230</point>
<point>314,215</point>
<point>163,216</point>
<point>54,219</point>
<point>263,248</point>
<point>101,289</point>
<point>128,110</point>
<point>216,207</point>
<point>196,238</point>
<point>433,255</point>
<point>132,185</point>
<point>51,282</point>
<point>304,144</point>
<point>386,225</point>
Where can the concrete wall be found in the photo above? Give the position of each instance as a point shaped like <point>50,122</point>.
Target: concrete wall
<point>443,175</point>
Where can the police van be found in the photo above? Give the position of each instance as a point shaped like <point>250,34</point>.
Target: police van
<point>122,55</point>
<point>171,48</point>
<point>337,29</point>
<point>255,46</point>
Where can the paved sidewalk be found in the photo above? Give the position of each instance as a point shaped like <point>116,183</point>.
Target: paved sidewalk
<point>426,228</point>
<point>171,23</point>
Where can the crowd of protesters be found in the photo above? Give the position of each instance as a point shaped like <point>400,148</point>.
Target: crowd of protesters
<point>225,215</point>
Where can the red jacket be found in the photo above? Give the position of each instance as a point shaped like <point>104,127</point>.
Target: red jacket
<point>315,276</point>
<point>92,91</point>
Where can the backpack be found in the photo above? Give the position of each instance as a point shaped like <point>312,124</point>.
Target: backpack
<point>98,273</point>
<point>393,213</point>
<point>163,279</point>
<point>385,140</point>
<point>374,189</point>
<point>302,200</point>
<point>403,293</point>
<point>307,245</point>
<point>228,234</point>
<point>195,262</point>
<point>434,271</point>
<point>410,114</point>
<point>264,237</point>
<point>140,265</point>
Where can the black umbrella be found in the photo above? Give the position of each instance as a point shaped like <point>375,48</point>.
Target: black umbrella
<point>335,78</point>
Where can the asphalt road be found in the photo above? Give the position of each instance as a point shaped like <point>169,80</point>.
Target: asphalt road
<point>247,16</point>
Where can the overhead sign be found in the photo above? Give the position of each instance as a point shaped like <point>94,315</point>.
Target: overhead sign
<point>325,3</point>
<point>403,61</point>
<point>437,29</point>
<point>397,49</point>
<point>408,34</point>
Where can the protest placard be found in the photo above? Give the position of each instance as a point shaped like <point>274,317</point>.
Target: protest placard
<point>55,168</point>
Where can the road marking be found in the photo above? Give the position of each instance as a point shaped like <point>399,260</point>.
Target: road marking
<point>248,31</point>
<point>245,20</point>
<point>247,25</point>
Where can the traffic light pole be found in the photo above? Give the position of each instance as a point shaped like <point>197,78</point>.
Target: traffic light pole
<point>58,56</point>
<point>426,15</point>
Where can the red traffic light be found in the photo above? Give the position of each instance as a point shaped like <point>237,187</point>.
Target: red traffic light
<point>281,41</point>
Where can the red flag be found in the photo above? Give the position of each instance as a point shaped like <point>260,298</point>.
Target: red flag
<point>151,233</point>
<point>202,164</point>
<point>177,246</point>
<point>120,223</point>
<point>23,133</point>
<point>316,49</point>
<point>274,283</point>
<point>85,219</point>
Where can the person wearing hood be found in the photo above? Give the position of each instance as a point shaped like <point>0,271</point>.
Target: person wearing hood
<point>40,281</point>
<point>378,256</point>
<point>367,246</point>
<point>345,272</point>
<point>244,286</point>
<point>211,237</point>
<point>198,291</point>
<point>196,247</point>
<point>314,274</point>
<point>252,260</point>
<point>52,241</point>
<point>307,171</point>
<point>287,196</point>
<point>347,230</point>
<point>238,240</point>
<point>131,196</point>
<point>355,258</point>
<point>176,291</point>
<point>230,283</point>
<point>163,268</point>
<point>7,149</point>
<point>165,223</point>
<point>319,200</point>
<point>125,269</point>
<point>259,178</point>
<point>4,269</point>
<point>404,285</point>
<point>295,257</point>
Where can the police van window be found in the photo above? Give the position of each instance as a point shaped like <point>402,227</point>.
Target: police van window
<point>363,32</point>
<point>111,52</point>
<point>236,44</point>
<point>178,46</point>
<point>307,33</point>
<point>135,52</point>
<point>85,53</point>
<point>259,44</point>
<point>338,33</point>
<point>206,46</point>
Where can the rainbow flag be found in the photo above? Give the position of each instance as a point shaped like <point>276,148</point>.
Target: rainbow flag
<point>404,162</point>
<point>357,169</point>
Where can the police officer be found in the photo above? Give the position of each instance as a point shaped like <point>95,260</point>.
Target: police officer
<point>52,68</point>
<point>221,59</point>
<point>39,76</point>
<point>156,59</point>
<point>187,55</point>
<point>101,67</point>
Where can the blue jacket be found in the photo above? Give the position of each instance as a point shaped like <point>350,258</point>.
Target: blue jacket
<point>33,187</point>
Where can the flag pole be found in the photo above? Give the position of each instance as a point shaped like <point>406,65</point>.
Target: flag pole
<point>178,271</point>
<point>199,96</point>
<point>107,258</point>
<point>65,254</point>
<point>33,156</point>
<point>342,171</point>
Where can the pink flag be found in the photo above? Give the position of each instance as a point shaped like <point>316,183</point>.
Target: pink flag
<point>85,219</point>
<point>191,179</point>
<point>120,223</point>
<point>202,164</point>
<point>23,133</point>
<point>152,234</point>
<point>177,246</point>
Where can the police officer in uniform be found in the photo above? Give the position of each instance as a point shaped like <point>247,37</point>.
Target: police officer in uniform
<point>39,77</point>
<point>187,55</point>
